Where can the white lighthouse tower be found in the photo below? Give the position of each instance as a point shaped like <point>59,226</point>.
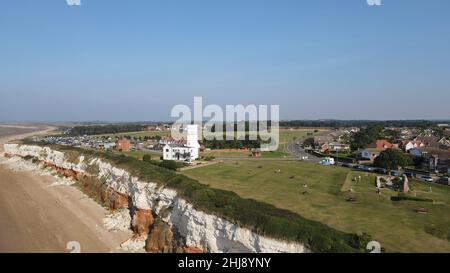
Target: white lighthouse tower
<point>192,140</point>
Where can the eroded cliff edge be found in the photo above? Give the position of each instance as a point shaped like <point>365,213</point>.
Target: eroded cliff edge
<point>159,216</point>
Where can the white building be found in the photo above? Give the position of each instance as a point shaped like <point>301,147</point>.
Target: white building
<point>327,161</point>
<point>188,152</point>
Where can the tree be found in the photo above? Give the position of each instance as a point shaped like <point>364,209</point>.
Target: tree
<point>418,161</point>
<point>366,136</point>
<point>392,159</point>
<point>309,142</point>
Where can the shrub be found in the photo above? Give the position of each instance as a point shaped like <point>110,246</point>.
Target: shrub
<point>402,196</point>
<point>147,158</point>
<point>171,165</point>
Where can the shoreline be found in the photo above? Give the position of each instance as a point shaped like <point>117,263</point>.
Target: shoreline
<point>39,215</point>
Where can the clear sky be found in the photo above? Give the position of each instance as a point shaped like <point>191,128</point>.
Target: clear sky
<point>123,60</point>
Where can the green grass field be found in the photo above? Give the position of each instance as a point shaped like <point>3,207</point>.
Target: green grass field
<point>320,193</point>
<point>247,154</point>
<point>140,154</point>
<point>288,135</point>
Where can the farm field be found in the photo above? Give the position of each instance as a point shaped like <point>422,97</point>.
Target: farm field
<point>321,193</point>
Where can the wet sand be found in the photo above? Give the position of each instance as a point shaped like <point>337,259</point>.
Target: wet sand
<point>38,217</point>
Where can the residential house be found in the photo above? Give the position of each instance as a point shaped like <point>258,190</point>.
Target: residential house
<point>186,151</point>
<point>178,153</point>
<point>434,142</point>
<point>428,141</point>
<point>123,145</point>
<point>369,153</point>
<point>324,147</point>
<point>338,147</point>
<point>410,144</point>
<point>415,152</point>
<point>382,144</point>
<point>437,159</point>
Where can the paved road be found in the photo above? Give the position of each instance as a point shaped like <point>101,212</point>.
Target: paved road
<point>299,152</point>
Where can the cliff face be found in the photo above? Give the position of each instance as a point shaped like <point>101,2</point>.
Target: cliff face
<point>157,213</point>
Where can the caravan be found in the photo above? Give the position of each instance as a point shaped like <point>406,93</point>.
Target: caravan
<point>327,161</point>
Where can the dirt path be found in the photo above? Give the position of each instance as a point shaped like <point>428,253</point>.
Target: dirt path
<point>38,217</point>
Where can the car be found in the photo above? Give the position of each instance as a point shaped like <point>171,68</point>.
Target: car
<point>409,174</point>
<point>444,181</point>
<point>380,170</point>
<point>394,173</point>
<point>366,168</point>
<point>426,178</point>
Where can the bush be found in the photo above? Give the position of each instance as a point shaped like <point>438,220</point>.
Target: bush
<point>404,197</point>
<point>147,158</point>
<point>171,165</point>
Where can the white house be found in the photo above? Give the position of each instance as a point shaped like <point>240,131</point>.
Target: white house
<point>408,145</point>
<point>187,152</point>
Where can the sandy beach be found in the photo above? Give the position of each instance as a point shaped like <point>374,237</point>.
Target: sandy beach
<point>36,216</point>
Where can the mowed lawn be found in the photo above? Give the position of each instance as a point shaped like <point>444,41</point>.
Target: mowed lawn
<point>321,193</point>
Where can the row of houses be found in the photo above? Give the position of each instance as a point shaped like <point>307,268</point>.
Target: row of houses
<point>435,151</point>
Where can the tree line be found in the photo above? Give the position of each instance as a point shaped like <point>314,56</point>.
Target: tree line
<point>106,129</point>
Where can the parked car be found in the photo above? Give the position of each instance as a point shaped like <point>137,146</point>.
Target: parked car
<point>426,178</point>
<point>380,170</point>
<point>444,181</point>
<point>367,168</point>
<point>409,174</point>
<point>394,173</point>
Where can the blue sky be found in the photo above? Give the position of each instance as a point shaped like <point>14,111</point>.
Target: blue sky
<point>123,60</point>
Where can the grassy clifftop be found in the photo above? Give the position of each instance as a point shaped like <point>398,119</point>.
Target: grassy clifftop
<point>262,218</point>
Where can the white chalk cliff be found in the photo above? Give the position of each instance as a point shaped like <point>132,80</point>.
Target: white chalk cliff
<point>201,230</point>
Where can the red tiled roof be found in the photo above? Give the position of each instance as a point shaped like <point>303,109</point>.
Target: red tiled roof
<point>382,144</point>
